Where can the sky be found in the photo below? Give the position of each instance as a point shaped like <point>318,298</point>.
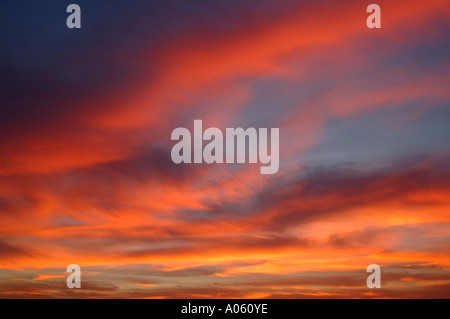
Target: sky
<point>86,175</point>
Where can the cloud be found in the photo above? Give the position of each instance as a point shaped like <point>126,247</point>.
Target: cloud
<point>86,175</point>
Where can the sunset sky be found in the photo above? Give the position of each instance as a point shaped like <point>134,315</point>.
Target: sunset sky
<point>86,175</point>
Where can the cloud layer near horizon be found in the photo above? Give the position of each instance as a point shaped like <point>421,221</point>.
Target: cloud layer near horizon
<point>86,175</point>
